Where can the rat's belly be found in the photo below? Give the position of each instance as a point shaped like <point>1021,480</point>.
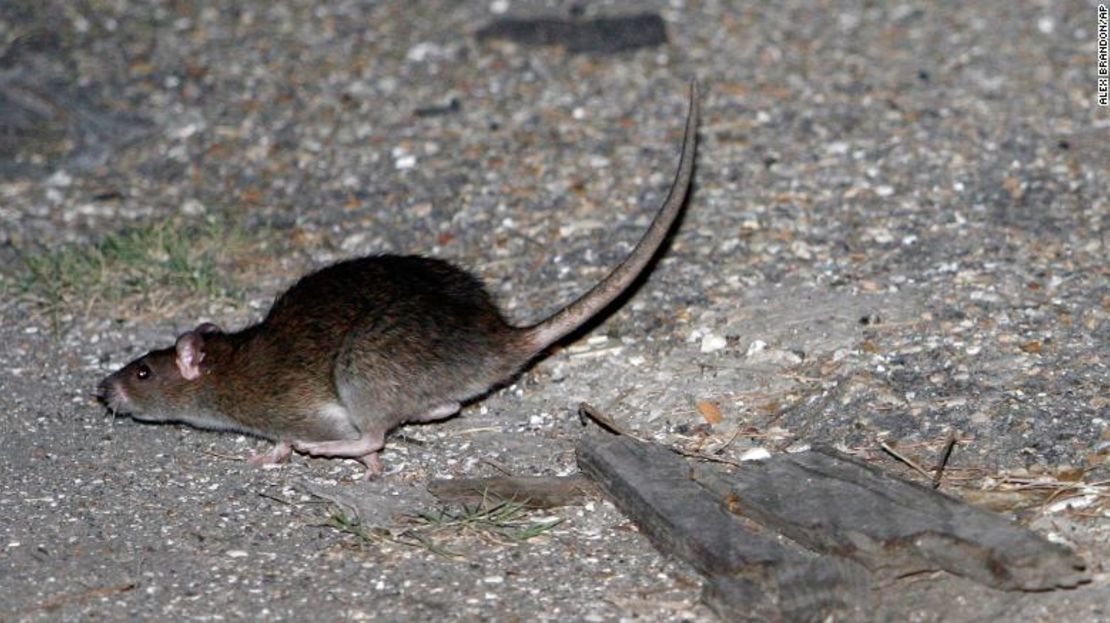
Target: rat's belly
<point>328,421</point>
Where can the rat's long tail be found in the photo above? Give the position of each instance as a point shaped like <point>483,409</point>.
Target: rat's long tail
<point>566,320</point>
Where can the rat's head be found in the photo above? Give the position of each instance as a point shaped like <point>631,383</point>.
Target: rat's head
<point>162,385</point>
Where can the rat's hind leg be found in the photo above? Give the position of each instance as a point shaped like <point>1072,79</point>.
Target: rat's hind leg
<point>364,449</point>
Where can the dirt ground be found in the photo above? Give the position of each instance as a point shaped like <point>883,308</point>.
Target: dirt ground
<point>898,231</point>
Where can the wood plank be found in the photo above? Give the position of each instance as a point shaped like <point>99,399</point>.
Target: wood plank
<point>751,576</point>
<point>818,589</point>
<point>532,491</point>
<point>833,503</point>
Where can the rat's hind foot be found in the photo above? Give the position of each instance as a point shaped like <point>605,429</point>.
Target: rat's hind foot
<point>345,448</point>
<point>278,454</point>
<point>364,449</point>
<point>373,465</point>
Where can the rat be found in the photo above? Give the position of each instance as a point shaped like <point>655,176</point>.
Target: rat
<point>357,348</point>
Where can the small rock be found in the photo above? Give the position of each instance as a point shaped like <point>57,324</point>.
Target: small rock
<point>711,342</point>
<point>757,346</point>
<point>193,207</point>
<point>755,454</point>
<point>59,179</point>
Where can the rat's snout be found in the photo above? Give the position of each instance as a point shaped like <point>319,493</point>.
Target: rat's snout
<point>110,394</point>
<point>104,390</point>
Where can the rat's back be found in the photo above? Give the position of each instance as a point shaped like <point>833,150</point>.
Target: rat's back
<point>406,331</point>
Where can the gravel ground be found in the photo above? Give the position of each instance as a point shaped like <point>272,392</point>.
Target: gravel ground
<point>898,231</point>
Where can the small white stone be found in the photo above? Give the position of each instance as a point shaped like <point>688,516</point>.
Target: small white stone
<point>801,250</point>
<point>880,235</point>
<point>186,130</point>
<point>755,454</point>
<point>193,207</point>
<point>60,179</point>
<point>237,553</point>
<point>711,342</point>
<point>756,347</point>
<point>423,51</point>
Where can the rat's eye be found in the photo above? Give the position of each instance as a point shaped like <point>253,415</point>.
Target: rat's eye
<point>143,373</point>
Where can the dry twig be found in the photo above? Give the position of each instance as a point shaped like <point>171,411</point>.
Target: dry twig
<point>908,461</point>
<point>938,473</point>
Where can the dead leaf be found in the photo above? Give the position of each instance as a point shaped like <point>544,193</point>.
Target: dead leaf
<point>710,411</point>
<point>770,408</point>
<point>1070,474</point>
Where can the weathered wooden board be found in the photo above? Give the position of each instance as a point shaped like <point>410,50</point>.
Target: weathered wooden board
<point>533,492</point>
<point>833,503</point>
<point>819,589</point>
<point>751,577</point>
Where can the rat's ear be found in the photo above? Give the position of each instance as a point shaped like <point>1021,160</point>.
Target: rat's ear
<point>189,355</point>
<point>208,327</point>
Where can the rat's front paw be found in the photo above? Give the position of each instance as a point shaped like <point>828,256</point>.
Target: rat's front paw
<point>278,454</point>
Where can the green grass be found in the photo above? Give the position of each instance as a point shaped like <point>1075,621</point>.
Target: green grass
<point>501,523</point>
<point>504,520</point>
<point>145,270</point>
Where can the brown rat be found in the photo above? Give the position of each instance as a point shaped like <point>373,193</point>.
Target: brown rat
<point>355,349</point>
